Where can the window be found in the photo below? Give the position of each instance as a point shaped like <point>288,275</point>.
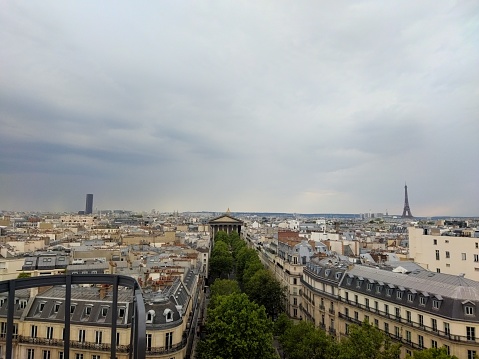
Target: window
<point>448,349</point>
<point>397,332</point>
<point>438,270</point>
<point>33,331</point>
<point>81,335</point>
<point>477,245</point>
<point>149,316</point>
<point>434,324</point>
<point>349,280</point>
<point>295,302</point>
<point>49,332</point>
<point>386,309</point>
<point>104,311</point>
<point>359,283</point>
<point>408,316</point>
<point>41,306</point>
<point>422,300</point>
<point>376,323</point>
<point>437,254</point>
<point>435,241</point>
<point>448,255</point>
<point>95,356</point>
<point>471,333</point>
<point>476,257</point>
<point>30,354</point>
<point>60,355</point>
<point>463,256</point>
<point>78,356</point>
<point>399,294</point>
<point>88,310</point>
<point>471,354</point>
<point>168,340</point>
<point>408,352</point>
<point>433,344</point>
<point>397,312</point>
<point>72,308</point>
<point>346,312</point>
<point>46,354</point>
<point>447,329</point>
<point>386,328</point>
<point>408,336</point>
<point>117,338</point>
<point>56,307</point>
<point>410,297</point>
<point>295,312</point>
<point>469,310</point>
<point>420,341</point>
<point>420,319</point>
<point>148,342</point>
<point>370,286</point>
<point>356,315</point>
<point>295,281</point>
<point>378,289</point>
<point>389,292</point>
<point>98,337</point>
<point>121,312</point>
<point>346,328</point>
<point>356,299</point>
<point>366,318</point>
<point>366,302</point>
<point>376,306</point>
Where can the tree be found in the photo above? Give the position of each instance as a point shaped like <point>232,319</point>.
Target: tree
<point>282,324</point>
<point>432,353</point>
<point>264,289</point>
<point>221,236</point>
<point>221,262</point>
<point>367,342</point>
<point>244,257</point>
<point>250,269</point>
<point>237,328</point>
<point>24,275</point>
<point>303,340</point>
<point>222,287</point>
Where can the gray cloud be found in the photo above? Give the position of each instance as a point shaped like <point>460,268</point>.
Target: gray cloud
<point>266,106</point>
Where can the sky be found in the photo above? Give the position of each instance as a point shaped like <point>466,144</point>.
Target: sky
<point>261,106</point>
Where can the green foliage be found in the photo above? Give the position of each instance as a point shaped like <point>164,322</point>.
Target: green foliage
<point>303,340</point>
<point>367,342</point>
<point>222,287</point>
<point>282,324</point>
<point>221,236</point>
<point>221,262</point>
<point>244,257</point>
<point>264,289</point>
<point>237,328</point>
<point>24,275</point>
<point>432,353</point>
<point>251,268</point>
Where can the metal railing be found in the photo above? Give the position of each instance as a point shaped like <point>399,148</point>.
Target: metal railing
<point>138,324</point>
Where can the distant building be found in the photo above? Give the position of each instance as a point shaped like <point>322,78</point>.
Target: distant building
<point>89,204</point>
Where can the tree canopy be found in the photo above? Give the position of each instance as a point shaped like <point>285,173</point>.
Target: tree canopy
<point>432,353</point>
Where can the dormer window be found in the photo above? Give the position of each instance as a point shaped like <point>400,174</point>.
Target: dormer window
<point>378,289</point>
<point>399,294</point>
<point>359,283</point>
<point>370,287</point>
<point>149,316</point>
<point>72,308</point>
<point>168,315</point>
<point>410,297</point>
<point>422,300</point>
<point>326,272</point>
<point>104,311</point>
<point>22,303</point>
<point>469,310</point>
<point>435,304</point>
<point>121,312</point>
<point>88,310</point>
<point>349,281</point>
<point>389,292</point>
<point>338,275</point>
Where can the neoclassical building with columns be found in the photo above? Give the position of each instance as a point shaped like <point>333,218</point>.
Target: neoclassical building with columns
<point>225,222</point>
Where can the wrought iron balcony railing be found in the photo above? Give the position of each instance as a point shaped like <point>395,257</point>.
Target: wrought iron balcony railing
<point>137,347</point>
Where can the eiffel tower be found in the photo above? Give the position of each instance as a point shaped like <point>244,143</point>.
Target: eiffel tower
<point>406,213</point>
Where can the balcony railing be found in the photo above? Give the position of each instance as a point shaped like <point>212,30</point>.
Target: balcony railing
<point>138,324</point>
<point>167,350</point>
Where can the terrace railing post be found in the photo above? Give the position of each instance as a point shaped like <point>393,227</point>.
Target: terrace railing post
<point>11,311</point>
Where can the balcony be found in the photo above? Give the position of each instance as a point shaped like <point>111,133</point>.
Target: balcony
<point>332,311</point>
<point>136,348</point>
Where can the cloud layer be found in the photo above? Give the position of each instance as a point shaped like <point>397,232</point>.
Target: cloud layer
<point>264,106</point>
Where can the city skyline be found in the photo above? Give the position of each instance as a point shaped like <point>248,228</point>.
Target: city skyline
<point>312,107</point>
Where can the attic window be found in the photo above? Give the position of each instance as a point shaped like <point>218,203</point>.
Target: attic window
<point>168,315</point>
<point>56,307</point>
<point>104,311</point>
<point>149,316</point>
<point>469,310</point>
<point>23,303</point>
<point>326,272</point>
<point>435,304</point>
<point>72,308</point>
<point>121,312</point>
<point>88,310</point>
<point>349,280</point>
<point>41,306</point>
<point>338,275</point>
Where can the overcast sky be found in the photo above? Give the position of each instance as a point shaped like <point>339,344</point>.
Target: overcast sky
<point>278,106</point>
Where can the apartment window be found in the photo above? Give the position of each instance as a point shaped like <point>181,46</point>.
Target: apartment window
<point>386,328</point>
<point>30,354</point>
<point>117,338</point>
<point>60,355</point>
<point>386,309</point>
<point>346,328</point>
<point>49,332</point>
<point>378,289</point>
<point>448,349</point>
<point>366,302</point>
<point>95,356</point>
<point>399,294</point>
<point>469,310</point>
<point>148,342</point>
<point>104,311</point>
<point>448,255</point>
<point>435,241</point>
<point>420,319</point>
<point>88,310</point>
<point>410,297</point>
<point>438,270</point>
<point>422,300</point>
<point>447,329</point>
<point>72,309</point>
<point>347,296</point>
<point>389,292</point>
<point>408,336</point>
<point>477,245</point>
<point>81,335</point>
<point>408,352</point>
<point>295,301</point>
<point>366,318</point>
<point>471,333</point>
<point>476,257</point>
<point>370,286</point>
<point>397,332</point>
<point>98,337</point>
<point>295,281</point>
<point>168,340</point>
<point>433,343</point>
<point>295,312</point>
<point>349,280</point>
<point>434,324</point>
<point>356,299</point>
<point>376,306</point>
<point>121,312</point>
<point>359,283</point>
<point>46,354</point>
<point>420,341</point>
<point>41,306</point>
<point>346,312</point>
<point>408,316</point>
<point>463,256</point>
<point>356,315</point>
<point>376,323</point>
<point>397,312</point>
<point>437,254</point>
<point>471,354</point>
<point>78,356</point>
<point>33,331</point>
<point>56,307</point>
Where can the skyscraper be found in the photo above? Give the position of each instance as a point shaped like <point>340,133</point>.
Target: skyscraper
<point>89,204</point>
